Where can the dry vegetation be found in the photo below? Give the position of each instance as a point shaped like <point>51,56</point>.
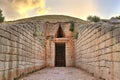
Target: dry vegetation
<point>51,18</point>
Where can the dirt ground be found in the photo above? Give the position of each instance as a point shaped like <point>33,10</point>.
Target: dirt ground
<point>59,73</point>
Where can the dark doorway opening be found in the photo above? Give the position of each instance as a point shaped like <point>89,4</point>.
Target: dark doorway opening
<point>60,55</point>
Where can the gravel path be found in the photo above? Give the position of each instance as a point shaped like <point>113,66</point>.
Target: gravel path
<point>59,73</point>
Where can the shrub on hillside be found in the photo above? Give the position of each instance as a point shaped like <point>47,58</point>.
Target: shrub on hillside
<point>118,17</point>
<point>93,18</point>
<point>1,16</point>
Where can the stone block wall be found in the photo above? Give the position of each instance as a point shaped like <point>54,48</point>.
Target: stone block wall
<point>20,52</point>
<point>98,50</point>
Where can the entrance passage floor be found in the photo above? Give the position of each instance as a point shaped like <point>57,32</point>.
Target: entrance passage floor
<point>59,73</point>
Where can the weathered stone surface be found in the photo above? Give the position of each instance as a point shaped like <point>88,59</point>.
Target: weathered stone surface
<point>98,52</point>
<point>20,50</point>
<point>57,73</point>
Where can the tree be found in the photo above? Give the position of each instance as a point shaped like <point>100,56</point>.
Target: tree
<point>118,17</point>
<point>1,16</point>
<point>93,18</point>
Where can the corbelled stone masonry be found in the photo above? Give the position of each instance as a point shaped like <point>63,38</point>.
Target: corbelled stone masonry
<point>21,52</point>
<point>98,50</point>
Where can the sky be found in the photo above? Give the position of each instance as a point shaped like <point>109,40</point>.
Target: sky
<point>18,9</point>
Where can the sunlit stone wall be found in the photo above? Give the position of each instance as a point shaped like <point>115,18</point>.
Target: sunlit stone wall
<point>98,50</point>
<point>21,49</point>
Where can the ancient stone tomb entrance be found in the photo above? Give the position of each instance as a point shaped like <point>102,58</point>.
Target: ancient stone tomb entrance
<point>60,60</point>
<point>59,45</point>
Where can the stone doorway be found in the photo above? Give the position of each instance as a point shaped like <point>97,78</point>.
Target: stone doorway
<point>59,45</point>
<point>60,58</point>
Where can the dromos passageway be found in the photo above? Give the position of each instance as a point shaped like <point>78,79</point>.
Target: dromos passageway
<point>59,48</point>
